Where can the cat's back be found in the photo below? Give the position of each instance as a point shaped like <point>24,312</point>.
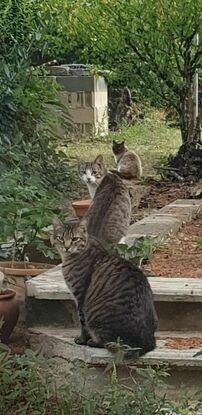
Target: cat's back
<point>118,281</point>
<point>130,165</point>
<point>108,217</point>
<point>115,269</point>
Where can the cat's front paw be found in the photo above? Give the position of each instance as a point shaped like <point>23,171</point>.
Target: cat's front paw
<point>91,343</point>
<point>80,340</point>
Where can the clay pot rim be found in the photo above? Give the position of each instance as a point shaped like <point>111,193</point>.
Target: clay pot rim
<point>8,293</point>
<point>19,268</point>
<point>81,203</point>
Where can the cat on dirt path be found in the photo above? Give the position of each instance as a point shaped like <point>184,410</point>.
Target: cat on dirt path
<point>128,163</point>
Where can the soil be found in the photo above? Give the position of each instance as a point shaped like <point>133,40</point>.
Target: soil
<point>18,341</point>
<point>179,343</point>
<point>161,193</point>
<point>180,256</point>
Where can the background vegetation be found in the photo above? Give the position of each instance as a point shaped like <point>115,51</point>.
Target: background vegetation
<point>148,46</point>
<point>29,385</point>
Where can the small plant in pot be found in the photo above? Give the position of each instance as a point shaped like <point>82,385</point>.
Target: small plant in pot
<point>9,311</point>
<point>26,209</point>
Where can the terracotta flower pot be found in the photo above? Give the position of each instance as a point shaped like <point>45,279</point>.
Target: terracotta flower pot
<point>9,312</point>
<point>16,273</point>
<point>81,207</point>
<point>15,268</point>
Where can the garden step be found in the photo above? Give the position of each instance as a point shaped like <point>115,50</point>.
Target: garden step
<point>51,286</point>
<point>165,221</point>
<point>178,301</point>
<point>49,301</point>
<point>60,342</point>
<point>184,367</point>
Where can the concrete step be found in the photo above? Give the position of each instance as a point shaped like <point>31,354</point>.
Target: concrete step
<point>178,301</point>
<point>163,222</point>
<point>184,367</point>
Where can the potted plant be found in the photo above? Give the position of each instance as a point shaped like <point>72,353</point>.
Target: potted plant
<point>25,210</point>
<point>9,311</point>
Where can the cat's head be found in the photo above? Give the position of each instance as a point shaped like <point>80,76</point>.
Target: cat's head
<point>70,236</point>
<point>92,172</point>
<point>118,148</point>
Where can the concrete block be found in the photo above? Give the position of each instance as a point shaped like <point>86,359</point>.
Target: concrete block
<point>167,220</point>
<point>51,313</point>
<point>49,286</point>
<point>76,83</point>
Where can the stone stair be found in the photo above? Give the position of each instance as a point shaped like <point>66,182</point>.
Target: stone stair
<point>53,323</point>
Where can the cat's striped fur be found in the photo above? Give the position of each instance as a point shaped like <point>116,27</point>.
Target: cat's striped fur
<point>113,296</point>
<point>108,216</point>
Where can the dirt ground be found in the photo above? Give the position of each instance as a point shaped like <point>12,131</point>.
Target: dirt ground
<point>179,343</point>
<point>161,193</point>
<point>181,255</point>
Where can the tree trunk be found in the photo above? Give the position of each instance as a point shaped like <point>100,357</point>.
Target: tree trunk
<point>187,161</point>
<point>188,124</point>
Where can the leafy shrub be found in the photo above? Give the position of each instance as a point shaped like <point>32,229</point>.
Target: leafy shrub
<point>28,386</point>
<point>140,251</point>
<point>33,172</point>
<point>26,208</point>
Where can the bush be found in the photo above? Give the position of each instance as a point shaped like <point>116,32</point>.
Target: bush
<point>34,173</point>
<point>26,208</point>
<point>28,386</point>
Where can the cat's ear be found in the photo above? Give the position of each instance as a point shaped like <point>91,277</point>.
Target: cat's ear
<point>79,161</point>
<point>67,209</point>
<point>122,142</point>
<point>57,225</point>
<point>99,159</point>
<point>83,226</point>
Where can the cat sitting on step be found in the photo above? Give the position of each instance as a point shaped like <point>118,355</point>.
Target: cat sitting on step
<point>128,163</point>
<point>113,296</point>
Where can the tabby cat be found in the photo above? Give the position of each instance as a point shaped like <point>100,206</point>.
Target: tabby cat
<point>108,216</point>
<point>92,173</point>
<point>128,163</point>
<point>113,296</point>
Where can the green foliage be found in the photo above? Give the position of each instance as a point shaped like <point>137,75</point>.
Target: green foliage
<point>140,251</point>
<point>150,46</point>
<point>29,385</point>
<point>26,208</point>
<point>24,384</point>
<point>33,172</point>
<point>144,43</point>
<point>199,243</point>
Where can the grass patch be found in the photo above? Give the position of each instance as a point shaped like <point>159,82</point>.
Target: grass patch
<point>151,138</point>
